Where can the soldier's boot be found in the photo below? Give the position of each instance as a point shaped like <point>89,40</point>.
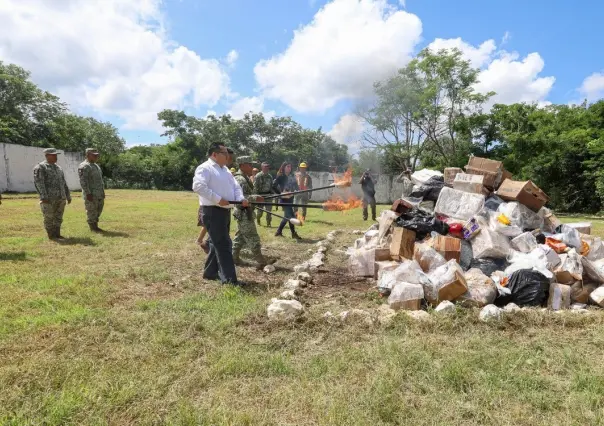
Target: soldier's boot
<point>269,224</point>
<point>58,235</point>
<point>237,258</point>
<point>51,233</point>
<point>96,227</point>
<point>295,235</point>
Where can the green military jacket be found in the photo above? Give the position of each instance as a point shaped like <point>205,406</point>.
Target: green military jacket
<point>247,188</point>
<point>263,183</point>
<point>91,180</point>
<point>50,182</point>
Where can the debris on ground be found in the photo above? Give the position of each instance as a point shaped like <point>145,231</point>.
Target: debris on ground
<point>486,241</point>
<point>284,309</point>
<point>445,307</point>
<point>269,269</point>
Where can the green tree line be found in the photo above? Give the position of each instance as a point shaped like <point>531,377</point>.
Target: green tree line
<point>426,115</point>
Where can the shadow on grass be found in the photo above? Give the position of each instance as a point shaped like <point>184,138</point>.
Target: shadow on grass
<point>113,234</point>
<point>19,256</point>
<point>76,241</point>
<point>322,222</point>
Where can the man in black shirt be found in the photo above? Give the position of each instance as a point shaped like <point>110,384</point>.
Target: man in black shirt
<point>368,186</point>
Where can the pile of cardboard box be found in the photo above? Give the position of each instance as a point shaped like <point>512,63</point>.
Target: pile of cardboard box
<point>498,227</point>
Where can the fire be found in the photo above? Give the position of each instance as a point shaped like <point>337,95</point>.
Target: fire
<point>300,218</point>
<point>339,205</point>
<point>345,180</point>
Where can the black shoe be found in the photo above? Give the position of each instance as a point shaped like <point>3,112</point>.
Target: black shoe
<point>295,236</point>
<point>279,234</point>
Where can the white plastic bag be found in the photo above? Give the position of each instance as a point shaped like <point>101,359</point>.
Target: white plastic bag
<point>535,260</point>
<point>408,271</point>
<point>428,258</point>
<point>525,243</point>
<point>440,277</point>
<point>521,216</point>
<point>481,289</point>
<point>569,236</point>
<point>421,177</point>
<point>362,262</point>
<point>571,263</point>
<point>458,204</point>
<point>510,231</point>
<point>488,243</point>
<point>406,296</point>
<point>591,270</point>
<point>553,260</point>
<point>596,249</point>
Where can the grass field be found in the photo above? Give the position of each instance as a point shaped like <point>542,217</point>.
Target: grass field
<point>121,329</point>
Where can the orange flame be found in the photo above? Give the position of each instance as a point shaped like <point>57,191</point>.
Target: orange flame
<point>300,218</point>
<point>337,203</point>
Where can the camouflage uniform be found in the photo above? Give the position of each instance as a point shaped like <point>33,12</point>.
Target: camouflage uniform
<point>52,187</point>
<point>91,181</point>
<point>263,185</point>
<point>247,234</point>
<point>304,182</point>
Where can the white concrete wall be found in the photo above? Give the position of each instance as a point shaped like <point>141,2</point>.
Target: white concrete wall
<point>17,163</point>
<point>386,190</point>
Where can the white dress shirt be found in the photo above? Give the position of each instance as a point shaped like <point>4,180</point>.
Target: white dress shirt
<point>213,182</point>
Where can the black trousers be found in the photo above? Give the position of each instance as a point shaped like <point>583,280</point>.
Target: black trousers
<point>219,263</point>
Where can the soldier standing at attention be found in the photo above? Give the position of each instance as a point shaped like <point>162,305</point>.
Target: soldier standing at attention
<point>304,182</point>
<point>247,234</point>
<point>263,185</point>
<point>93,189</point>
<point>54,193</point>
<point>368,187</point>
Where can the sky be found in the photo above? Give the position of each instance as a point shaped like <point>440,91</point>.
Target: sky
<point>315,60</point>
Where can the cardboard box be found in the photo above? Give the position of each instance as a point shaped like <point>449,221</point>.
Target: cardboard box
<point>409,305</point>
<point>491,170</point>
<point>470,183</point>
<point>582,227</point>
<point>565,277</point>
<point>559,297</point>
<point>526,193</point>
<point>454,289</point>
<point>386,265</point>
<point>551,222</point>
<point>382,254</point>
<point>506,175</point>
<point>401,206</point>
<point>450,173</point>
<point>403,243</point>
<point>448,247</point>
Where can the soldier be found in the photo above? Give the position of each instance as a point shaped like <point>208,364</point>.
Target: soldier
<point>247,234</point>
<point>304,182</point>
<point>368,187</point>
<point>54,193</point>
<point>93,189</point>
<point>263,185</point>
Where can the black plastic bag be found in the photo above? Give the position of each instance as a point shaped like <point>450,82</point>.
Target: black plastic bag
<point>430,190</point>
<point>493,202</point>
<point>489,265</point>
<point>528,288</point>
<point>422,223</point>
<point>466,255</point>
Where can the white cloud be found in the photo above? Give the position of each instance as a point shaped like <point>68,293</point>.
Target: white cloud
<point>478,56</point>
<point>232,57</point>
<point>514,79</point>
<point>249,104</point>
<point>111,55</point>
<point>348,46</point>
<point>348,131</point>
<point>593,87</point>
<point>506,37</point>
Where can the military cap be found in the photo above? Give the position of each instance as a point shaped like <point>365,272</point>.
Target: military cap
<point>246,159</point>
<point>51,151</point>
<point>92,151</point>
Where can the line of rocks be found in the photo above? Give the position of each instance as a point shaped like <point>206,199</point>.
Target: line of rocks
<point>287,306</point>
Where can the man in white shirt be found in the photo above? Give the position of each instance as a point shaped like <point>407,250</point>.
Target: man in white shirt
<point>216,187</point>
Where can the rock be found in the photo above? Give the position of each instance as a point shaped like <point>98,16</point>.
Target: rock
<point>385,314</point>
<point>284,309</point>
<point>511,307</point>
<point>446,308</point>
<point>491,313</point>
<point>323,243</point>
<point>292,285</point>
<point>579,311</point>
<point>322,250</point>
<point>269,269</point>
<point>303,267</point>
<point>289,295</point>
<point>357,315</point>
<point>357,232</point>
<point>577,306</point>
<point>328,315</point>
<point>304,277</point>
<point>597,296</point>
<point>315,263</point>
<point>310,251</point>
<point>418,315</point>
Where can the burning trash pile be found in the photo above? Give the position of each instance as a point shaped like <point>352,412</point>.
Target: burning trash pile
<point>479,239</point>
